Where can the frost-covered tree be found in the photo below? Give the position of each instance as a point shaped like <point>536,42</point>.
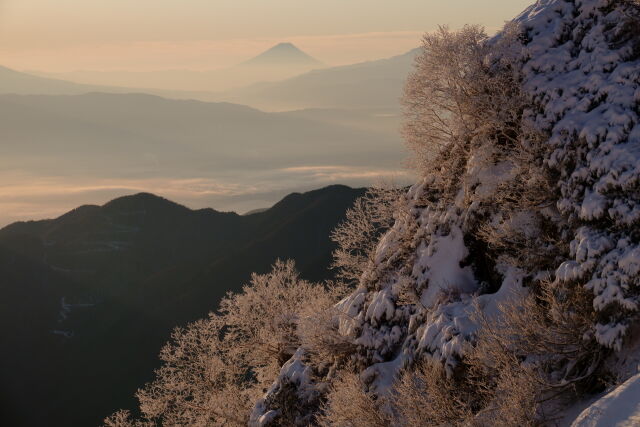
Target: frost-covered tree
<point>438,93</point>
<point>461,91</point>
<point>358,235</point>
<point>214,369</point>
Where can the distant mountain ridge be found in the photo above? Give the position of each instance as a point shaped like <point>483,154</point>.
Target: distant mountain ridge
<point>370,84</point>
<point>282,54</point>
<point>93,294</point>
<point>280,62</point>
<point>23,83</point>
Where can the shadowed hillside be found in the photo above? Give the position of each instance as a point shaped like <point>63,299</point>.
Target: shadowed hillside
<point>92,295</point>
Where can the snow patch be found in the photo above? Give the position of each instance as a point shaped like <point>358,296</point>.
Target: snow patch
<point>619,408</point>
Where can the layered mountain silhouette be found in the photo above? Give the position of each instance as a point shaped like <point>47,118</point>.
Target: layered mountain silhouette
<point>90,297</point>
<point>133,138</point>
<point>372,84</point>
<point>130,125</point>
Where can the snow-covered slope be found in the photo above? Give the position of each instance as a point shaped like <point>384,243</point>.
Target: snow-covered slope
<point>583,72</point>
<point>579,67</point>
<point>618,408</point>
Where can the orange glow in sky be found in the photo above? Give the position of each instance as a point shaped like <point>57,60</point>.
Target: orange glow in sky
<point>144,35</point>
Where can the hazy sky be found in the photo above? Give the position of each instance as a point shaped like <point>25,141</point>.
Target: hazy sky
<point>67,35</point>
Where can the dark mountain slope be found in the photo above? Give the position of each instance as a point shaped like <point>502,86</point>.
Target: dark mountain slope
<point>113,280</point>
<point>30,310</point>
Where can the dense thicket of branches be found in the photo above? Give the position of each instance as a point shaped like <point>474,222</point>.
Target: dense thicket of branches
<point>460,91</point>
<point>358,235</point>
